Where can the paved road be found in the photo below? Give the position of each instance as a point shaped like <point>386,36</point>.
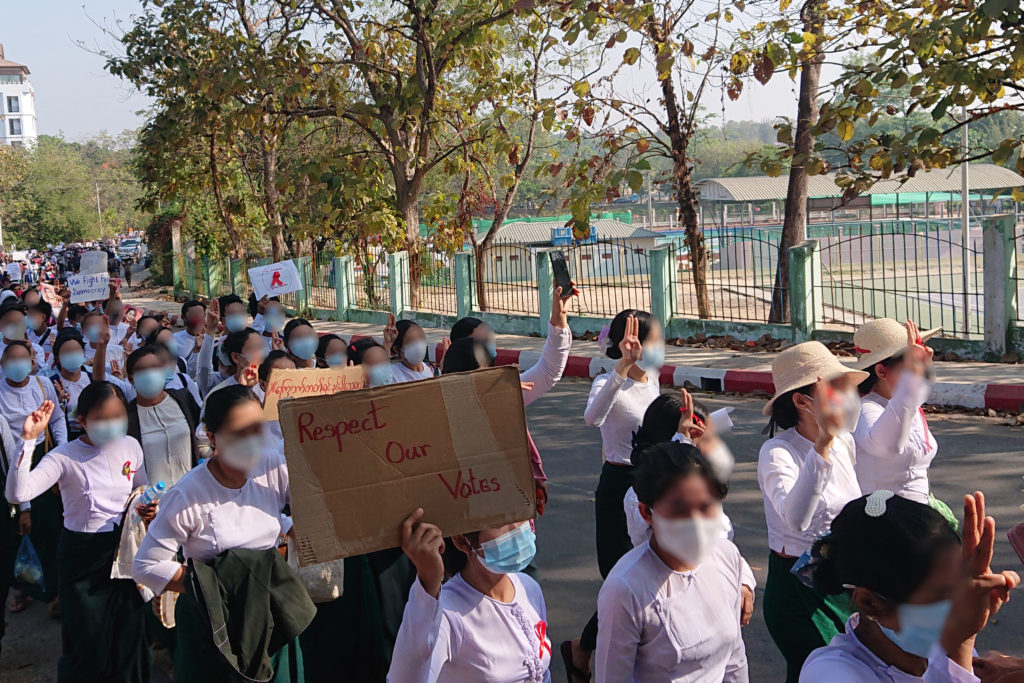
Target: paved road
<point>975,452</point>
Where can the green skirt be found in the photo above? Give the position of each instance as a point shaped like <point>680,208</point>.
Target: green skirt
<point>197,659</point>
<point>799,619</point>
<point>103,620</point>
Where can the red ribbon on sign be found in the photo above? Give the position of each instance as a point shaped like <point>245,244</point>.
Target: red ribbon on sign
<point>275,281</point>
<point>542,636</point>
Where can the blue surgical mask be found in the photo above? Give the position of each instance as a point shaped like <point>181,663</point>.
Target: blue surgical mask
<point>17,369</point>
<point>93,333</point>
<point>492,348</point>
<point>236,322</point>
<point>14,331</point>
<point>274,322</point>
<point>102,432</point>
<point>920,626</point>
<point>72,360</point>
<point>172,346</point>
<point>509,553</point>
<point>169,372</point>
<point>223,357</point>
<point>415,351</point>
<point>652,357</point>
<point>379,375</point>
<point>149,382</point>
<point>303,347</point>
<point>336,360</point>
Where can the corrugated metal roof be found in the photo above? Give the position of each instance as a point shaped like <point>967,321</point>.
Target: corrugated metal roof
<point>765,188</point>
<point>540,232</point>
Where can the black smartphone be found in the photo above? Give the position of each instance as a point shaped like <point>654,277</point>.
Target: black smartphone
<point>560,269</point>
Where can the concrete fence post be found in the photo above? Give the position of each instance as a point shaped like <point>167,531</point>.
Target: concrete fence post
<point>1000,281</point>
<point>463,266</point>
<point>239,276</point>
<point>302,299</point>
<point>663,300</point>
<point>398,277</point>
<point>342,268</point>
<point>806,311</point>
<point>545,277</point>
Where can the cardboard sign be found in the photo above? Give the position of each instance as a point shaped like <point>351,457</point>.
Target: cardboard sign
<point>14,271</point>
<point>315,382</point>
<point>276,279</point>
<point>93,262</point>
<point>360,462</point>
<point>88,287</point>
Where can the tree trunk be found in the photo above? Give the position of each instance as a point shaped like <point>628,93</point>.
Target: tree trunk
<point>272,200</point>
<point>689,217</point>
<point>409,207</point>
<point>480,263</point>
<point>794,222</point>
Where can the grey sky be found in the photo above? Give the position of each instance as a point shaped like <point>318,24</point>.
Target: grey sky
<point>75,95</point>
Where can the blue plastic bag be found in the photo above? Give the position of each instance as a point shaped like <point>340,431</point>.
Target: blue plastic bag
<point>27,567</point>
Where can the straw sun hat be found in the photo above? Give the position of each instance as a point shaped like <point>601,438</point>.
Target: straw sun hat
<point>803,364</point>
<point>883,338</point>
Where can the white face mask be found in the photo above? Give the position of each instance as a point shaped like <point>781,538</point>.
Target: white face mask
<point>242,454</point>
<point>721,460</point>
<point>689,540</point>
<point>851,409</point>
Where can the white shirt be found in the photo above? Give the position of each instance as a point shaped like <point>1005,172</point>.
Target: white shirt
<point>74,390</point>
<point>95,483</point>
<point>204,519</point>
<point>466,637</point>
<point>166,441</point>
<point>186,343</point>
<point>894,446</point>
<point>617,405</point>
<point>176,382</point>
<point>17,402</point>
<point>115,352</point>
<point>546,372</point>
<point>802,491</point>
<point>43,341</point>
<point>400,373</point>
<point>847,660</point>
<point>117,333</point>
<point>671,627</point>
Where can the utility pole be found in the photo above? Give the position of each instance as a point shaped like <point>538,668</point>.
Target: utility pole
<point>650,198</point>
<point>965,217</point>
<point>99,214</point>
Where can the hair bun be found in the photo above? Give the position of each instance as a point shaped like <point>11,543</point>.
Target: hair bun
<point>613,352</point>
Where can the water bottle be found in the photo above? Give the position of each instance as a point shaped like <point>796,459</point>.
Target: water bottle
<point>150,495</point>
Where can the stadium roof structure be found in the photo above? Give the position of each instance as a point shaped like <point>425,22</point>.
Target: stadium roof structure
<point>767,188</point>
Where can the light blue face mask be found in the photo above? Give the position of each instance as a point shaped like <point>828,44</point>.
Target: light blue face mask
<point>14,331</point>
<point>236,322</point>
<point>652,357</point>
<point>274,322</point>
<point>336,360</point>
<point>492,348</point>
<point>416,351</point>
<point>150,382</point>
<point>379,375</point>
<point>93,334</point>
<point>17,369</point>
<point>509,553</point>
<point>172,346</point>
<point>303,347</point>
<point>102,432</point>
<point>169,373</point>
<point>920,626</point>
<point>223,357</point>
<point>72,360</point>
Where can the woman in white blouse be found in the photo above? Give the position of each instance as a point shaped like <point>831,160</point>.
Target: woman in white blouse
<point>487,622</point>
<point>670,608</point>
<point>411,345</point>
<point>617,401</point>
<point>233,500</point>
<point>921,598</point>
<point>102,619</point>
<point>894,445</point>
<point>806,474</point>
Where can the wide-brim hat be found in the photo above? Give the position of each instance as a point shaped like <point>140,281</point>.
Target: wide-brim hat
<point>882,338</point>
<point>803,364</point>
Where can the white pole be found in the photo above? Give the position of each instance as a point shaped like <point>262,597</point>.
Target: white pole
<point>965,216</point>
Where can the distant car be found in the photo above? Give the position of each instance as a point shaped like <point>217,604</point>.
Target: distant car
<point>131,250</point>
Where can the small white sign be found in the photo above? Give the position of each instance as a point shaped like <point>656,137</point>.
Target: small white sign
<point>276,279</point>
<point>89,287</point>
<point>14,271</point>
<point>93,262</point>
<point>21,255</point>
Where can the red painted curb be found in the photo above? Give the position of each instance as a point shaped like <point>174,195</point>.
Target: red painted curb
<point>577,366</point>
<point>747,381</point>
<point>1005,397</point>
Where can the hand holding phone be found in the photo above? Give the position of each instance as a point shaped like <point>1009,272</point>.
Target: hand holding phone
<point>560,269</point>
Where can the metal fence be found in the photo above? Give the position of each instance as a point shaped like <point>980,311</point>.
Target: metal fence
<point>437,284</point>
<point>508,283</point>
<point>319,277</point>
<point>612,275</point>
<point>369,287</point>
<point>1018,251</point>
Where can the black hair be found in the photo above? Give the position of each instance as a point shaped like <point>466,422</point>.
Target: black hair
<point>220,403</point>
<point>661,420</point>
<point>235,341</point>
<point>785,414</point>
<point>292,325</point>
<point>465,354</point>
<point>33,288</point>
<point>454,559</point>
<point>95,394</point>
<point>226,301</point>
<point>68,334</point>
<point>403,327</point>
<point>19,342</point>
<point>191,303</point>
<point>617,330</point>
<point>43,307</point>
<point>254,303</point>
<point>151,338</point>
<point>138,354</point>
<point>276,354</point>
<point>659,467</point>
<point>76,311</point>
<point>92,314</point>
<point>11,305</point>
<point>464,327</point>
<point>890,554</point>
<point>325,341</point>
<point>358,349</point>
<point>148,317</point>
<point>106,303</point>
<point>869,383</point>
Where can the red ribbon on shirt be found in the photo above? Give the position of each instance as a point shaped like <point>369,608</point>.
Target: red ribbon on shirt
<point>542,636</point>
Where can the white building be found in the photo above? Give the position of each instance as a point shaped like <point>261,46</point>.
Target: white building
<point>17,104</point>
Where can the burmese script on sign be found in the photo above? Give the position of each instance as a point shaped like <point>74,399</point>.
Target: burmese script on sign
<point>284,384</point>
<point>360,461</point>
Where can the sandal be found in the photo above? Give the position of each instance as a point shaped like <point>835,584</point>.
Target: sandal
<point>572,674</point>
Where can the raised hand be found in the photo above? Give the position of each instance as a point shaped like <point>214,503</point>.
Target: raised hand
<point>62,393</point>
<point>35,423</point>
<point>560,304</point>
<point>104,332</point>
<point>390,333</point>
<point>276,343</point>
<point>250,376</point>
<point>213,316</point>
<point>828,413</point>
<point>200,335</point>
<point>261,304</point>
<point>630,347</point>
<point>686,414</point>
<point>115,369</point>
<point>423,544</point>
<point>918,353</point>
